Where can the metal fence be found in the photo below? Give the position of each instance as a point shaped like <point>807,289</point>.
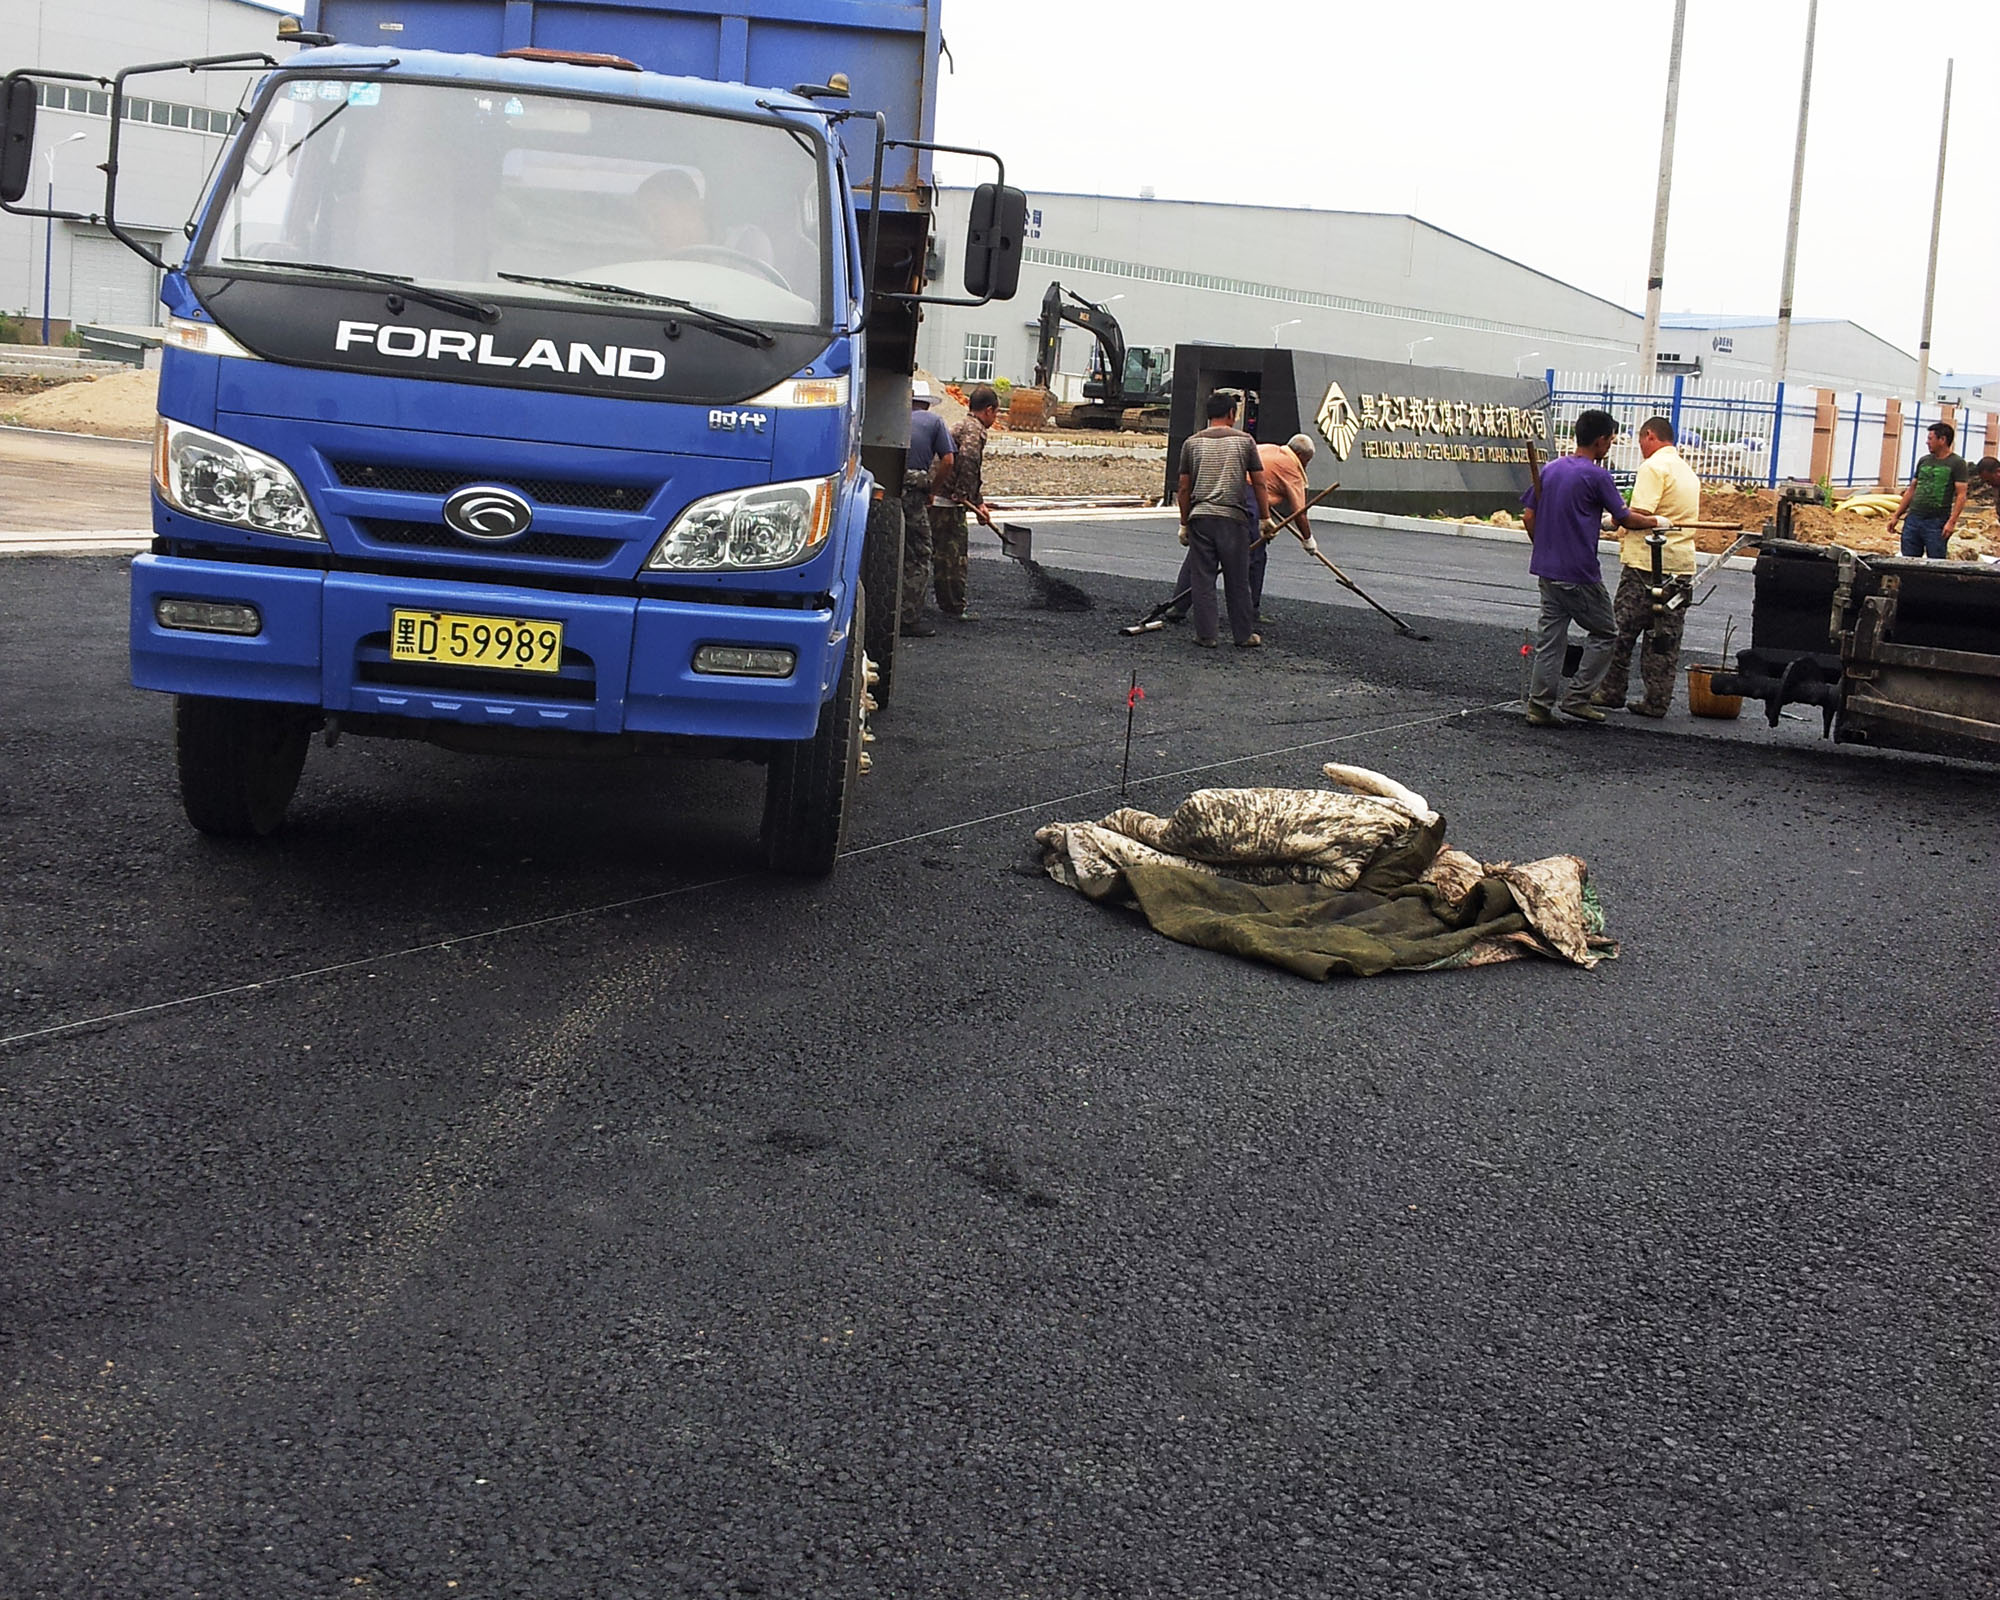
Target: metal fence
<point>1753,432</point>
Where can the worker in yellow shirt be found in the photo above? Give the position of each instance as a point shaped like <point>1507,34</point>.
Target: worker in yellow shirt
<point>1666,487</point>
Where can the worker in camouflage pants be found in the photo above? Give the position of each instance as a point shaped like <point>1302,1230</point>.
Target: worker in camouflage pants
<point>966,488</point>
<point>1658,641</point>
<point>1667,488</point>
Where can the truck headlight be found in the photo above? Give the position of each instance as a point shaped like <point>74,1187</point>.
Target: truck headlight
<point>770,525</point>
<point>218,480</point>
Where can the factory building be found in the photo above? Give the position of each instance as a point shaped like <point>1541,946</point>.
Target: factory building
<point>1376,286</point>
<point>176,123</point>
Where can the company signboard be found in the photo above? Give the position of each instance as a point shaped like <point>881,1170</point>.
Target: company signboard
<point>1395,437</point>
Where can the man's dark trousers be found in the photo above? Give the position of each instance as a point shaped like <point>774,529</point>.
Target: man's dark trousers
<point>1221,544</point>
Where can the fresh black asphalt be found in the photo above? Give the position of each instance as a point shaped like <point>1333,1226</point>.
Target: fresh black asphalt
<point>933,1232</point>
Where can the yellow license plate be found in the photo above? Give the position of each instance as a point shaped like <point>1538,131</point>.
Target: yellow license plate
<point>511,644</point>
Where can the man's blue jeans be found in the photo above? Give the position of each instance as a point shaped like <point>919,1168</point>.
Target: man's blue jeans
<point>1923,534</point>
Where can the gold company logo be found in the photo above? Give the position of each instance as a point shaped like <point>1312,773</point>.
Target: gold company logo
<point>1338,424</point>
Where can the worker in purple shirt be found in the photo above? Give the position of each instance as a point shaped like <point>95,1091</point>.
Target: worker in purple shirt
<point>1562,518</point>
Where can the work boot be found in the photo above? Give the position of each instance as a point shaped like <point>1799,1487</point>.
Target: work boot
<point>1609,699</point>
<point>963,616</point>
<point>1254,642</point>
<point>1540,716</point>
<point>919,629</point>
<point>1639,708</point>
<point>1583,713</point>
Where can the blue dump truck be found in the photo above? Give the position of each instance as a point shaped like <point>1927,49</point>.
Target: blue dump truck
<point>537,381</point>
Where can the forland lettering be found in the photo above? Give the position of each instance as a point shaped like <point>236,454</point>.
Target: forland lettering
<point>455,344</point>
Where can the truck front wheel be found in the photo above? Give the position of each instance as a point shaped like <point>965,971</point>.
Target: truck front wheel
<point>239,762</point>
<point>882,577</point>
<point>807,784</point>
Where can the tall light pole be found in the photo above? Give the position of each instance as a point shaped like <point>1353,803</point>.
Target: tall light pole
<point>1279,327</point>
<point>1656,269</point>
<point>1937,222</point>
<point>1530,356</point>
<point>49,228</point>
<point>1410,350</point>
<point>1783,354</point>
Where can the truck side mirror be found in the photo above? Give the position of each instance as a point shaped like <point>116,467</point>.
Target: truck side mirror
<point>999,219</point>
<point>17,138</point>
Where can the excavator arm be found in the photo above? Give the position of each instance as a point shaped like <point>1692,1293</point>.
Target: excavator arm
<point>1060,305</point>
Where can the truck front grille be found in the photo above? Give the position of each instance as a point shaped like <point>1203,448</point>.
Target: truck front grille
<point>436,536</point>
<point>442,481</point>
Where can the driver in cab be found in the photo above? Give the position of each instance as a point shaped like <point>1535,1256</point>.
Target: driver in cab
<point>675,219</point>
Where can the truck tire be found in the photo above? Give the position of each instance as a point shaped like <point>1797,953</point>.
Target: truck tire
<point>882,577</point>
<point>239,762</point>
<point>807,784</point>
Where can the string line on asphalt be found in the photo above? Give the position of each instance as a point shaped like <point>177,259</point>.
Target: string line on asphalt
<point>554,918</point>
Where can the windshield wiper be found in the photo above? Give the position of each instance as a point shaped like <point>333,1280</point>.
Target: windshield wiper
<point>728,327</point>
<point>443,299</point>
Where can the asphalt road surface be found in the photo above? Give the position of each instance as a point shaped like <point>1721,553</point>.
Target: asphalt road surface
<point>495,1185</point>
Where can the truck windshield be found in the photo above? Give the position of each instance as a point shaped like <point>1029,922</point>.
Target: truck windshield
<point>475,189</point>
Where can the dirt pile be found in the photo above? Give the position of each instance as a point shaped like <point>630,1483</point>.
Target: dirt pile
<point>121,405</point>
<point>1976,535</point>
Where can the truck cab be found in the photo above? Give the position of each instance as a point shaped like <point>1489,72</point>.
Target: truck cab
<point>519,402</point>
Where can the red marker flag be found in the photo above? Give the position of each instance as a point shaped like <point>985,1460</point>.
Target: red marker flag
<point>1134,697</point>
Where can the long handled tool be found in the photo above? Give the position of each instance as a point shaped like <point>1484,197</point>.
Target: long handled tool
<point>1156,619</point>
<point>1278,528</point>
<point>1354,588</point>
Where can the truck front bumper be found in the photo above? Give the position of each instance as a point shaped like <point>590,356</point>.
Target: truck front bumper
<point>628,660</point>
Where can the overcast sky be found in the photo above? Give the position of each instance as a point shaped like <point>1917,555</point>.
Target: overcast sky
<point>1533,129</point>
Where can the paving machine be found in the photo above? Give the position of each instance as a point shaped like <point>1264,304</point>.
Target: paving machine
<point>1895,652</point>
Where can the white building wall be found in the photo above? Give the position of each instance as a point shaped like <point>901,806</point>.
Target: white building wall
<point>1384,287</point>
<point>1824,354</point>
<point>1389,288</point>
<point>161,170</point>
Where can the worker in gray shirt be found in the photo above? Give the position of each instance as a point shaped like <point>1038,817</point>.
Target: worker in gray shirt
<point>1215,523</point>
<point>928,469</point>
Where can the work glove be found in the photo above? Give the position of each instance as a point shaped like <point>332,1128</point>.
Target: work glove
<point>1310,544</point>
<point>1184,533</point>
<point>1663,526</point>
<point>1269,529</point>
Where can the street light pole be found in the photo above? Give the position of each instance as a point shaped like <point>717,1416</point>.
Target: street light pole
<point>1783,353</point>
<point>49,229</point>
<point>1410,350</point>
<point>1937,224</point>
<point>1649,341</point>
<point>1530,356</point>
<point>1279,327</point>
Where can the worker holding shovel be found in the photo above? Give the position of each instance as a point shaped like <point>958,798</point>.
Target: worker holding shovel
<point>1213,468</point>
<point>965,492</point>
<point>1285,478</point>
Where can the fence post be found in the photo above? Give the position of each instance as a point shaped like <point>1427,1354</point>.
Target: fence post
<point>1993,433</point>
<point>1777,434</point>
<point>1674,416</point>
<point>1854,439</point>
<point>1822,443</point>
<point>1892,443</point>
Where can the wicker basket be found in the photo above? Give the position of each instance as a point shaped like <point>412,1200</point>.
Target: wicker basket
<point>1704,702</point>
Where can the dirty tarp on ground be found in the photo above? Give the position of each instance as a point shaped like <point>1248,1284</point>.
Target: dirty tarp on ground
<point>1322,882</point>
